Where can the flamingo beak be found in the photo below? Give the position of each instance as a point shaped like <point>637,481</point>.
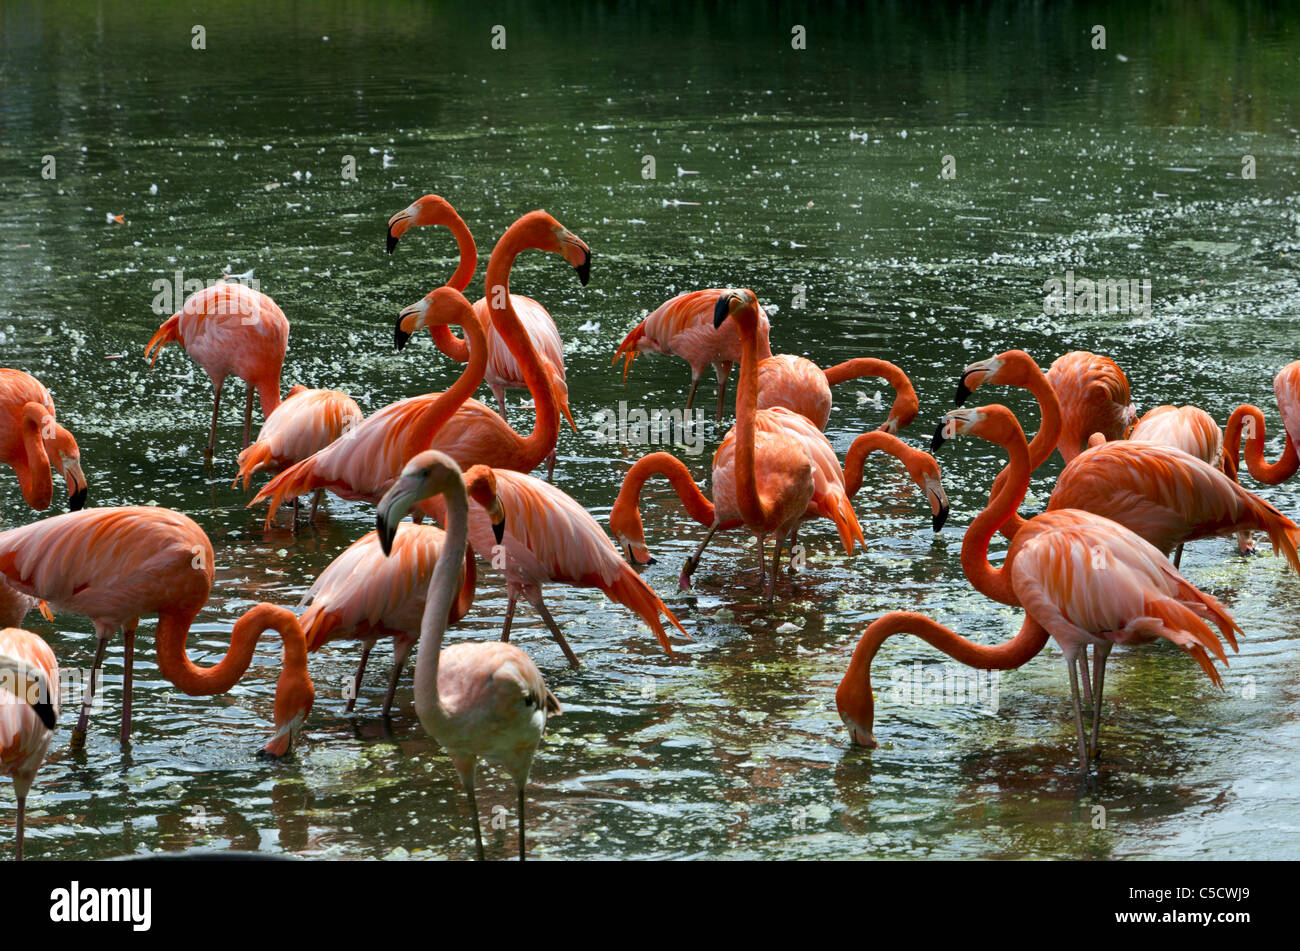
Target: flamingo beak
<point>408,317</point>
<point>584,269</point>
<point>497,514</point>
<point>939,505</point>
<point>722,309</point>
<point>938,438</point>
<point>397,501</point>
<point>28,682</point>
<point>393,222</point>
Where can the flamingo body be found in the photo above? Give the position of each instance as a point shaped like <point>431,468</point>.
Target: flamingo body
<point>24,736</point>
<point>304,424</point>
<point>1094,397</point>
<point>797,384</point>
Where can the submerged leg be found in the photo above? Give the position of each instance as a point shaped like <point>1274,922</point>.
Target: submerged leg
<point>1178,554</point>
<point>1072,661</point>
<point>315,503</point>
<point>776,567</point>
<point>512,598</point>
<point>216,406</point>
<point>78,739</point>
<point>248,415</point>
<point>401,650</point>
<point>1099,654</point>
<point>690,394</point>
<point>128,667</point>
<point>723,370</point>
<point>356,678</point>
<point>1084,678</point>
<point>22,812</point>
<point>693,562</point>
<point>468,782</point>
<point>521,823</point>
<point>555,633</point>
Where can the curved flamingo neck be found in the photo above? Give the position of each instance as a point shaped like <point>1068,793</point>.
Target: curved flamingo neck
<point>875,441</point>
<point>447,342</point>
<point>534,447</point>
<point>993,582</point>
<point>905,399</point>
<point>1040,447</point>
<point>443,587</point>
<point>625,516</point>
<point>747,500</point>
<point>1260,469</point>
<point>445,406</point>
<point>33,470</point>
<point>854,695</point>
<point>174,663</point>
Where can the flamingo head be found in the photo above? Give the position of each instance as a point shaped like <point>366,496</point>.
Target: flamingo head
<point>440,307</point>
<point>28,682</point>
<point>1013,368</point>
<point>481,486</point>
<point>924,471</point>
<point>901,413</point>
<point>429,210</point>
<point>427,474</point>
<point>857,709</point>
<point>62,449</point>
<point>994,423</point>
<point>741,305</point>
<point>294,692</point>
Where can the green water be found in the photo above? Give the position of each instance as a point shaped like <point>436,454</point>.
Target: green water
<point>818,168</point>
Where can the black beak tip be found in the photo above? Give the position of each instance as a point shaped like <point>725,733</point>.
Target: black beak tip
<point>584,269</point>
<point>940,518</point>
<point>498,531</point>
<point>385,536</point>
<point>937,439</point>
<point>721,309</point>
<point>78,499</point>
<point>400,337</point>
<point>392,242</point>
<point>45,710</point>
<point>962,393</point>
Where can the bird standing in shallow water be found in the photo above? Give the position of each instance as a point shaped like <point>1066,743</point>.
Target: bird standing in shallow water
<point>29,707</point>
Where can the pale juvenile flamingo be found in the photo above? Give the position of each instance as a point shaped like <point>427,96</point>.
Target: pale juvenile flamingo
<point>31,441</point>
<point>230,329</point>
<point>115,565</point>
<point>304,424</point>
<point>1165,495</point>
<point>1248,422</point>
<point>1081,578</point>
<point>485,700</point>
<point>365,595</point>
<point>1094,397</point>
<point>369,458</point>
<point>503,370</point>
<point>625,517</point>
<point>29,707</point>
<point>550,539</point>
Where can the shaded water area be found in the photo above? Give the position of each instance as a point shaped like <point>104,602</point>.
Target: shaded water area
<point>818,168</point>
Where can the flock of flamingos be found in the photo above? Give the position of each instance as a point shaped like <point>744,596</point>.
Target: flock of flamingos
<point>1093,570</point>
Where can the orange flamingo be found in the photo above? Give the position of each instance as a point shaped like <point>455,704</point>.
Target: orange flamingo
<point>365,594</point>
<point>29,707</point>
<point>1081,578</point>
<point>366,461</point>
<point>1094,396</point>
<point>115,565</point>
<point>801,385</point>
<point>1165,495</point>
<point>550,539</point>
<point>304,424</point>
<point>503,370</point>
<point>478,700</point>
<point>30,440</point>
<point>230,329</point>
<point>1248,422</point>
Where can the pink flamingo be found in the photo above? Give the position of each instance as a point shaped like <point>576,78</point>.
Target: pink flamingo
<point>1248,422</point>
<point>304,424</point>
<point>1094,397</point>
<point>29,707</point>
<point>115,565</point>
<point>31,440</point>
<point>799,384</point>
<point>503,370</point>
<point>365,594</point>
<point>478,700</point>
<point>1081,578</point>
<point>550,539</point>
<point>230,329</point>
<point>366,461</point>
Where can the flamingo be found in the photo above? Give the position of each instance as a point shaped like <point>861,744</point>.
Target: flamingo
<point>625,516</point>
<point>1094,397</point>
<point>230,329</point>
<point>304,424</point>
<point>550,539</point>
<point>365,594</point>
<point>1081,578</point>
<point>30,440</point>
<point>683,327</point>
<point>1248,422</point>
<point>115,565</point>
<point>485,700</point>
<point>1165,495</point>
<point>364,463</point>
<point>503,370</point>
<point>29,707</point>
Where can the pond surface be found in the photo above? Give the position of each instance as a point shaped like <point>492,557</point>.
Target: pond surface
<point>819,168</point>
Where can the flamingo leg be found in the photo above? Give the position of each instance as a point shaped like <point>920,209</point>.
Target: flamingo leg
<point>1099,655</point>
<point>1085,680</point>
<point>1072,661</point>
<point>776,567</point>
<point>521,823</point>
<point>216,405</point>
<point>22,812</point>
<point>693,562</point>
<point>78,739</point>
<point>690,395</point>
<point>1178,554</point>
<point>762,569</point>
<point>248,415</point>
<point>417,516</point>
<point>294,521</point>
<point>510,615</point>
<point>723,371</point>
<point>356,678</point>
<point>401,651</point>
<point>128,671</point>
<point>550,466</point>
<point>555,633</point>
<point>501,400</point>
<point>315,502</point>
<point>468,782</point>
